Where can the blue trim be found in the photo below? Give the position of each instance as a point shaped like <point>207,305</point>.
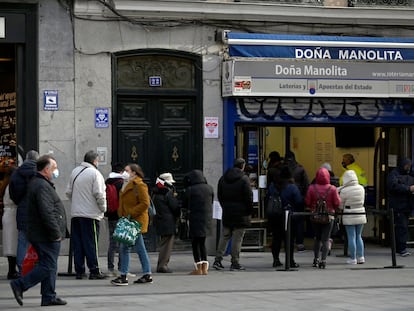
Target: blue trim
<point>229,116</point>
<point>239,35</point>
<point>320,47</point>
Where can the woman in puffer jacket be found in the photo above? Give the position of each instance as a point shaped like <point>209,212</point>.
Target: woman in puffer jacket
<point>352,196</point>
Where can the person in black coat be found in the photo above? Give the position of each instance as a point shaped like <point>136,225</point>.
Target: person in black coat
<point>168,210</point>
<point>198,200</point>
<point>401,199</point>
<point>236,199</point>
<point>18,188</point>
<point>292,200</point>
<point>46,228</point>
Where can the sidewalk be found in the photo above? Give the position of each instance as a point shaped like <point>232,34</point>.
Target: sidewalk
<point>370,286</point>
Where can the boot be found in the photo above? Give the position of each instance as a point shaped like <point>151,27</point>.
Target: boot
<point>204,267</point>
<point>12,274</point>
<point>198,269</point>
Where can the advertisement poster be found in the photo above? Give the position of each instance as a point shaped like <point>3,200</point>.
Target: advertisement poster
<point>211,127</point>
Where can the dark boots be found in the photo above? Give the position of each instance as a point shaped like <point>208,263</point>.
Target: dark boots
<point>12,274</point>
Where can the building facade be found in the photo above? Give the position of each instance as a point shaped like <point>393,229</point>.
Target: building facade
<point>141,81</point>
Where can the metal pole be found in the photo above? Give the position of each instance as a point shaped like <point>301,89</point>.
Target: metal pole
<point>393,244</point>
<point>70,261</point>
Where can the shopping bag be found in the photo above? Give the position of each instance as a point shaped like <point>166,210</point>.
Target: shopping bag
<point>30,260</point>
<point>127,231</point>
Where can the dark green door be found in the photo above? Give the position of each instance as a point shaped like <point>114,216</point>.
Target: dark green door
<point>161,134</point>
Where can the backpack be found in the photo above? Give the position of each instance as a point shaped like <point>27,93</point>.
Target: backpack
<point>321,211</point>
<point>112,197</point>
<point>274,205</point>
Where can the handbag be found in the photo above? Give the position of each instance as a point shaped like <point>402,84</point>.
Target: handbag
<point>127,231</point>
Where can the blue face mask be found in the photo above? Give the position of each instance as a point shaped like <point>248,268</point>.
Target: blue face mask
<point>55,174</point>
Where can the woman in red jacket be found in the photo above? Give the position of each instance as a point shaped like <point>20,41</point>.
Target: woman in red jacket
<point>322,189</point>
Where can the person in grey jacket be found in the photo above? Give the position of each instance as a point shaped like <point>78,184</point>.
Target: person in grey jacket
<point>46,228</point>
<point>86,190</point>
<point>352,196</point>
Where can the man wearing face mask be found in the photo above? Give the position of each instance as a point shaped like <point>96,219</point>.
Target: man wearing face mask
<point>400,186</point>
<point>86,191</point>
<point>348,163</point>
<point>46,228</point>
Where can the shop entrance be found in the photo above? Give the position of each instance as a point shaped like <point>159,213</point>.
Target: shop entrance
<point>376,150</point>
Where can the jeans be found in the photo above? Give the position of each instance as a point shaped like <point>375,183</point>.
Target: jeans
<point>22,246</point>
<point>142,254</point>
<point>236,234</point>
<point>113,246</point>
<point>355,243</point>
<point>44,272</point>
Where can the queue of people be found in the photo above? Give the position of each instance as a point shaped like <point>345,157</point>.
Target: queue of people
<point>44,219</point>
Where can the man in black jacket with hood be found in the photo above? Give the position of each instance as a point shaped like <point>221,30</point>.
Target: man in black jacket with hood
<point>18,188</point>
<point>401,200</point>
<point>236,199</point>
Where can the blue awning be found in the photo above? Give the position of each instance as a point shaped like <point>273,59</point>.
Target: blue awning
<point>320,47</point>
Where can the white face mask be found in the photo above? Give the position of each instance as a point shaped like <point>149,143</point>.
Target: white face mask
<point>125,175</point>
<point>55,174</point>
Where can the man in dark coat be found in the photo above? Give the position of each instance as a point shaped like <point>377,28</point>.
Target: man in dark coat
<point>236,199</point>
<point>301,180</point>
<point>401,200</point>
<point>18,188</point>
<point>46,228</point>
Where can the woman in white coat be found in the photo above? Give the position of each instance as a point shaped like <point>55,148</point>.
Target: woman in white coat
<point>10,234</point>
<point>352,196</point>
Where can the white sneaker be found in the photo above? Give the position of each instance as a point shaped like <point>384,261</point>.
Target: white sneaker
<point>131,275</point>
<point>361,260</point>
<point>351,261</point>
<point>112,273</point>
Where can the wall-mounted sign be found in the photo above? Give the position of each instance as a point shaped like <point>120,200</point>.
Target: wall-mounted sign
<point>320,47</point>
<point>101,117</point>
<point>50,100</point>
<point>155,81</point>
<point>2,27</point>
<point>317,78</point>
<point>211,127</point>
<point>102,155</point>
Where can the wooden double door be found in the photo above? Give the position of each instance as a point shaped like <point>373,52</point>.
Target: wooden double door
<point>160,133</point>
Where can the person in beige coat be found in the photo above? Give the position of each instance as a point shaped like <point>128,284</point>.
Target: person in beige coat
<point>352,196</point>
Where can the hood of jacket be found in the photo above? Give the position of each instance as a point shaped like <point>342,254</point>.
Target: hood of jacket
<point>403,163</point>
<point>194,177</point>
<point>322,176</point>
<point>232,175</point>
<point>350,178</point>
<point>28,168</point>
